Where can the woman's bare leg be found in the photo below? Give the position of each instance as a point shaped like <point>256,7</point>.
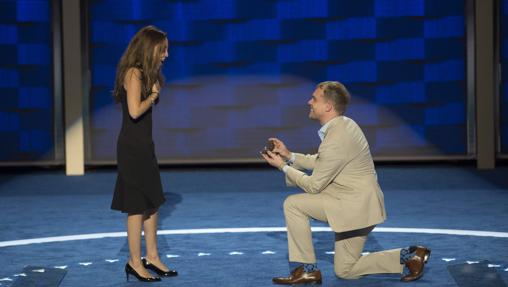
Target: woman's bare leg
<point>150,228</point>
<point>134,222</point>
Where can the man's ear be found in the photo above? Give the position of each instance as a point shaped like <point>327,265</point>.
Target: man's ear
<point>329,106</point>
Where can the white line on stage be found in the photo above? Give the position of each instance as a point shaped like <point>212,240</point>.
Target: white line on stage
<point>248,230</point>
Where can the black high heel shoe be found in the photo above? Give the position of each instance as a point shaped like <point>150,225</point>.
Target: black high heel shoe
<point>130,271</point>
<point>159,272</point>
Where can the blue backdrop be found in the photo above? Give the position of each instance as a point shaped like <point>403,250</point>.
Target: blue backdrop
<point>26,91</point>
<point>241,71</point>
<point>504,84</point>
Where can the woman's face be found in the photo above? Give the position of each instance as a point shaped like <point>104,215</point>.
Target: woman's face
<point>161,52</point>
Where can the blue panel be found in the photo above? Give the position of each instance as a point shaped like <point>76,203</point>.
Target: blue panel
<point>261,51</point>
<point>34,34</point>
<point>9,34</point>
<point>303,51</point>
<point>353,28</point>
<point>391,8</point>
<point>9,122</point>
<point>307,70</point>
<point>36,141</point>
<point>301,9</point>
<point>452,113</point>
<point>254,30</point>
<point>442,49</point>
<point>8,11</point>
<point>348,8</point>
<point>35,98</point>
<point>31,121</point>
<point>401,93</point>
<point>396,28</point>
<point>440,8</point>
<point>302,29</point>
<point>445,27</point>
<point>35,76</point>
<point>8,61</point>
<point>9,78</point>
<point>405,49</point>
<point>9,98</point>
<point>354,72</point>
<point>33,54</point>
<point>455,137</point>
<point>206,31</point>
<point>263,8</point>
<point>452,70</point>
<point>443,92</point>
<point>404,71</point>
<point>347,50</point>
<point>32,10</point>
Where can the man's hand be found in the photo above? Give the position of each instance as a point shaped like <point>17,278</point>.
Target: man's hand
<point>274,159</point>
<point>280,148</point>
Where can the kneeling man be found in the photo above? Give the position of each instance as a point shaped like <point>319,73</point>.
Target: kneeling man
<point>342,190</point>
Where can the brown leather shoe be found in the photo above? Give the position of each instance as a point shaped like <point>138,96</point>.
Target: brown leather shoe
<point>416,264</point>
<point>299,276</point>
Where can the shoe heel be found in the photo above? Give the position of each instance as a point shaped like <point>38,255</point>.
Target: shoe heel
<point>127,276</point>
<point>426,256</point>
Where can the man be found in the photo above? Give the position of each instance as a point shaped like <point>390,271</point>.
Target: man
<point>343,191</point>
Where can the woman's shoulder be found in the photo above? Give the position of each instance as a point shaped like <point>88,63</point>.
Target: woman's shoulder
<point>134,71</point>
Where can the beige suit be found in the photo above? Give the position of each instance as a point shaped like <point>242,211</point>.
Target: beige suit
<point>343,191</point>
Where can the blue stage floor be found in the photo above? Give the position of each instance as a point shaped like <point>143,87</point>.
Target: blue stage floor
<point>201,203</point>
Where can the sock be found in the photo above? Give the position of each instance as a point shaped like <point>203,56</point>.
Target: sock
<point>406,254</point>
<point>310,267</point>
<point>307,267</point>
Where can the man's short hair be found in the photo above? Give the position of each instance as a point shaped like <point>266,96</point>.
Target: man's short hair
<point>337,94</point>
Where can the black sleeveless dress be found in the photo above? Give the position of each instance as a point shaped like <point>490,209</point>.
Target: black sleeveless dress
<point>138,185</point>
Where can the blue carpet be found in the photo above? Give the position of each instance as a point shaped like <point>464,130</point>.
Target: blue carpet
<point>34,276</point>
<point>42,204</point>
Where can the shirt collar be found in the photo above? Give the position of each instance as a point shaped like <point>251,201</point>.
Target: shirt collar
<point>322,130</point>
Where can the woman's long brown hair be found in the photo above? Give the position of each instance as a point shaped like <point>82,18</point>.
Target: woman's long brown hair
<point>140,54</point>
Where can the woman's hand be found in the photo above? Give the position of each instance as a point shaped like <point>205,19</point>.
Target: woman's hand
<point>155,91</point>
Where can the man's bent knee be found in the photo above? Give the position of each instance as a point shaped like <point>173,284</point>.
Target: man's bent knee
<point>344,272</point>
<point>289,202</point>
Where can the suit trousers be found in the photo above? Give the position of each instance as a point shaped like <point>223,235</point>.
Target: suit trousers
<point>348,260</point>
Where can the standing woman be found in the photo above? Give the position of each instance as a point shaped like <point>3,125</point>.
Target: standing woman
<point>138,190</point>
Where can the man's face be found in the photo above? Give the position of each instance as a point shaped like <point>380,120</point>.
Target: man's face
<point>318,105</point>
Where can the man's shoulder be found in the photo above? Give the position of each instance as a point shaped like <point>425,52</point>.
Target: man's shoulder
<point>344,124</point>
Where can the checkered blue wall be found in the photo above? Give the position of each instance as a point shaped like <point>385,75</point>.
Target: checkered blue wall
<point>26,92</point>
<point>241,71</point>
<point>504,85</point>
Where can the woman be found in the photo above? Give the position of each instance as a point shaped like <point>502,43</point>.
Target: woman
<point>138,190</point>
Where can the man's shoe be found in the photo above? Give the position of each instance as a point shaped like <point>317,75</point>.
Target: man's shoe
<point>416,264</point>
<point>299,276</point>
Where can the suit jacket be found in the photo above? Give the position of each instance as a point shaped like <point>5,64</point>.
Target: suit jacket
<point>343,172</point>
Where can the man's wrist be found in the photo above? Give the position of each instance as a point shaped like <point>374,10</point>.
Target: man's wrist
<point>290,159</point>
